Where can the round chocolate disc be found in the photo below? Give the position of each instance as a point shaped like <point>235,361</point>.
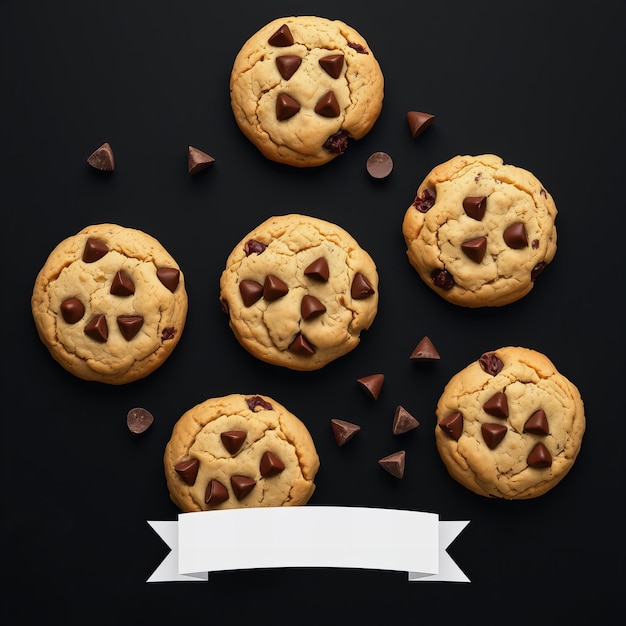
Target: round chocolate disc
<point>379,165</point>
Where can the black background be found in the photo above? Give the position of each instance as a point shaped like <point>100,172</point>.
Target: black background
<point>539,83</point>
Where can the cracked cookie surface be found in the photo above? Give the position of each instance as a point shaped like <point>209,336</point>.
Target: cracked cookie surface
<point>299,291</point>
<point>509,425</point>
<point>110,304</point>
<point>480,232</point>
<point>302,87</point>
<point>240,451</point>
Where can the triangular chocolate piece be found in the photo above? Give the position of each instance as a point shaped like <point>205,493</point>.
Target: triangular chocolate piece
<point>475,206</point>
<point>537,423</point>
<point>286,107</point>
<point>97,328</point>
<point>102,158</point>
<point>198,160</point>
<point>310,307</point>
<point>327,105</point>
<point>403,421</point>
<point>274,288</point>
<point>94,250</point>
<point>242,486</point>
<point>515,236</point>
<point>493,434</point>
<point>270,465</point>
<point>452,425</point>
<point>475,248</point>
<point>188,470</point>
<point>332,64</point>
<point>250,291</point>
<point>301,346</point>
<point>281,38</point>
<point>425,351</point>
<point>318,269</point>
<point>539,457</point>
<point>215,493</point>
<point>361,287</point>
<point>372,385</point>
<point>418,122</point>
<point>129,325</point>
<point>343,431</point>
<point>233,439</point>
<point>169,277</point>
<point>287,65</point>
<point>122,284</point>
<point>394,463</point>
<point>497,405</point>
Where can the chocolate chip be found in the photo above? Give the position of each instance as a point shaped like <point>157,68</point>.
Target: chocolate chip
<point>337,143</point>
<point>94,250</point>
<point>497,405</point>
<point>327,105</point>
<point>168,333</point>
<point>475,248</point>
<point>379,165</point>
<point>490,363</point>
<point>270,464</point>
<point>332,64</point>
<point>122,284</point>
<point>256,402</point>
<point>452,425</point>
<point>102,158</point>
<point>394,463</point>
<point>198,160</point>
<point>274,288</point>
<point>358,47</point>
<point>343,431</point>
<point>425,200</point>
<point>97,328</point>
<point>287,65</point>
<point>537,423</point>
<point>539,457</point>
<point>403,421</point>
<point>233,440</point>
<point>252,246</point>
<point>215,493</point>
<point>442,279</point>
<point>281,38</point>
<point>250,291</point>
<point>188,470</point>
<point>318,269</point>
<point>129,325</point>
<point>311,307</point>
<point>286,107</point>
<point>425,351</point>
<point>475,206</point>
<point>537,270</point>
<point>515,236</point>
<point>372,385</point>
<point>242,486</point>
<point>301,346</point>
<point>139,420</point>
<point>493,434</point>
<point>72,310</point>
<point>169,277</point>
<point>361,287</point>
<point>418,122</point>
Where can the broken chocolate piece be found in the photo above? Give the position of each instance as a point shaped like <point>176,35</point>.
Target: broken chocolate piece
<point>250,291</point>
<point>318,269</point>
<point>537,423</point>
<point>233,440</point>
<point>122,284</point>
<point>215,493</point>
<point>425,351</point>
<point>287,65</point>
<point>286,107</point>
<point>169,277</point>
<point>475,206</point>
<point>139,420</point>
<point>97,328</point>
<point>332,64</point>
<point>343,431</point>
<point>372,385</point>
<point>515,236</point>
<point>281,38</point>
<point>394,463</point>
<point>442,279</point>
<point>475,248</point>
<point>102,158</point>
<point>493,434</point>
<point>94,250</point>
<point>327,105</point>
<point>403,421</point>
<point>129,325</point>
<point>270,465</point>
<point>242,486</point>
<point>361,287</point>
<point>256,402</point>
<point>379,165</point>
<point>358,47</point>
<point>497,405</point>
<point>252,246</point>
<point>301,346</point>
<point>72,310</point>
<point>539,457</point>
<point>490,363</point>
<point>188,470</point>
<point>534,273</point>
<point>198,160</point>
<point>418,122</point>
<point>425,200</point>
<point>311,307</point>
<point>274,288</point>
<point>337,143</point>
<point>452,425</point>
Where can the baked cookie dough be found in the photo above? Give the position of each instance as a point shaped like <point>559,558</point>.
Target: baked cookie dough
<point>480,232</point>
<point>509,425</point>
<point>240,451</point>
<point>110,304</point>
<point>299,291</point>
<point>302,87</point>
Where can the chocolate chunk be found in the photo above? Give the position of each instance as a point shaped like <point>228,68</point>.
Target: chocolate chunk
<point>425,200</point>
<point>534,273</point>
<point>169,277</point>
<point>242,486</point>
<point>515,236</point>
<point>403,421</point>
<point>418,122</point>
<point>256,402</point>
<point>318,269</point>
<point>129,325</point>
<point>102,158</point>
<point>274,288</point>
<point>198,160</point>
<point>343,431</point>
<point>497,405</point>
<point>539,457</point>
<point>72,310</point>
<point>327,105</point>
<point>281,38</point>
<point>252,246</point>
<point>475,206</point>
<point>301,346</point>
<point>372,385</point>
<point>311,307</point>
<point>215,493</point>
<point>168,333</point>
<point>188,470</point>
<point>452,425</point>
<point>122,284</point>
<point>250,291</point>
<point>394,463</point>
<point>337,143</point>
<point>94,250</point>
<point>361,287</point>
<point>379,165</point>
<point>493,434</point>
<point>97,328</point>
<point>270,464</point>
<point>490,363</point>
<point>287,65</point>
<point>332,64</point>
<point>139,420</point>
<point>286,107</point>
<point>537,423</point>
<point>233,440</point>
<point>425,351</point>
<point>358,47</point>
<point>475,248</point>
<point>442,279</point>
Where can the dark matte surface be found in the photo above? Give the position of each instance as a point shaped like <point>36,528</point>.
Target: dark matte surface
<point>539,83</point>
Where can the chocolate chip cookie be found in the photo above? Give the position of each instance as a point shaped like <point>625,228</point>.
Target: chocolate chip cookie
<point>479,232</point>
<point>110,304</point>
<point>509,425</point>
<point>302,87</point>
<point>240,451</point>
<point>299,291</point>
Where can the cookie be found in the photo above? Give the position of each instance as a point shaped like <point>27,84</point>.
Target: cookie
<point>302,87</point>
<point>110,304</point>
<point>240,451</point>
<point>299,291</point>
<point>480,232</point>
<point>509,425</point>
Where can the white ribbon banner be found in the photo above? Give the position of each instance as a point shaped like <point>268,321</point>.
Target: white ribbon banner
<point>308,536</point>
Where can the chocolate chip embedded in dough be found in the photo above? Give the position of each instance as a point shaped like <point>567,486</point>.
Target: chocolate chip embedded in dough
<point>358,47</point>
<point>102,158</point>
<point>490,363</point>
<point>442,279</point>
<point>452,425</point>
<point>493,434</point>
<point>168,333</point>
<point>425,201</point>
<point>537,423</point>
<point>287,65</point>
<point>361,287</point>
<point>197,160</point>
<point>475,248</point>
<point>424,351</point>
<point>215,493</point>
<point>318,269</point>
<point>497,405</point>
<point>418,122</point>
<point>169,277</point>
<point>332,64</point>
<point>94,250</point>
<point>539,457</point>
<point>534,273</point>
<point>139,420</point>
<point>122,284</point>
<point>337,143</point>
<point>394,463</point>
<point>379,165</point>
<point>270,465</point>
<point>286,107</point>
<point>475,206</point>
<point>311,307</point>
<point>242,486</point>
<point>256,402</point>
<point>274,288</point>
<point>327,105</point>
<point>372,385</point>
<point>97,328</point>
<point>250,291</point>
<point>403,421</point>
<point>188,470</point>
<point>301,346</point>
<point>252,246</point>
<point>72,310</point>
<point>281,38</point>
<point>515,236</point>
<point>129,325</point>
<point>343,431</point>
<point>233,440</point>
